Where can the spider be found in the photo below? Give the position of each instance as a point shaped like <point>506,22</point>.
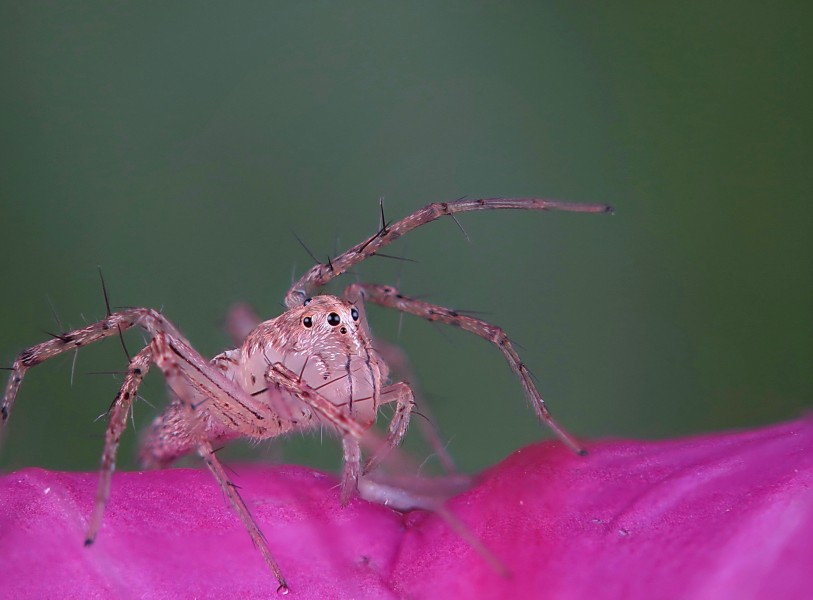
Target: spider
<point>316,364</point>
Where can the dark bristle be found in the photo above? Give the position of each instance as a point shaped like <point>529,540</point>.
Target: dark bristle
<point>423,416</point>
<point>123,345</point>
<point>308,250</point>
<point>393,257</point>
<point>57,336</point>
<point>383,226</point>
<point>104,291</point>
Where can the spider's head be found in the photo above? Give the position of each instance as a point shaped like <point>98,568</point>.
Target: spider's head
<point>326,340</point>
<point>327,320</point>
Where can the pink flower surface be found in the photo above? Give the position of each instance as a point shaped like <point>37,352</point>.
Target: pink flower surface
<point>719,516</point>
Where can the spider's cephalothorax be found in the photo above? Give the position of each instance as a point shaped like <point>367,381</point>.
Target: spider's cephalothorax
<point>314,364</point>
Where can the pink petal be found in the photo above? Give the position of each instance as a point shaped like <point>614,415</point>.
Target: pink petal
<point>720,516</point>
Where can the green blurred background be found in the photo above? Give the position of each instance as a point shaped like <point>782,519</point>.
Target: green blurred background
<point>178,145</point>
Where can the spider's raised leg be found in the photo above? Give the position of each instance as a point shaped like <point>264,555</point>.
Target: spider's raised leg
<point>388,296</point>
<point>320,274</point>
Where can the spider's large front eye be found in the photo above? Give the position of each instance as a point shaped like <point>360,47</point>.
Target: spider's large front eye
<point>307,322</point>
<point>354,313</point>
<point>333,319</point>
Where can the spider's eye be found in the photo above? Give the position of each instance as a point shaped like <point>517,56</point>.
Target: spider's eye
<point>333,319</point>
<point>354,313</point>
<point>307,321</point>
<point>307,301</point>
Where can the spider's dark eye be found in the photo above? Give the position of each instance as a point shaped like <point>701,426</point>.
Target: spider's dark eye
<point>307,301</point>
<point>354,313</point>
<point>333,319</point>
<point>307,322</point>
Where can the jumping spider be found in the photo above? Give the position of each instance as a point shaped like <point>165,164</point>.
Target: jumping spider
<point>315,364</point>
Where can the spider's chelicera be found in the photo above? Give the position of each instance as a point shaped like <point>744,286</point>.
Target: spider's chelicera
<point>313,365</point>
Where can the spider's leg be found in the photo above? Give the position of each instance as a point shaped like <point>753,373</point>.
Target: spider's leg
<point>72,340</point>
<point>115,427</point>
<point>388,296</point>
<point>320,274</point>
<point>230,491</point>
<point>204,393</point>
<point>403,397</point>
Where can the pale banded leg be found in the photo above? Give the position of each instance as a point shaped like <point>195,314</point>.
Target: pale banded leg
<point>388,296</point>
<point>187,383</point>
<point>115,427</point>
